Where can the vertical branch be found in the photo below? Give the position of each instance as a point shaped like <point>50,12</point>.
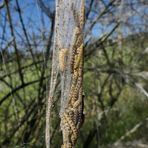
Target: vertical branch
<point>14,41</point>
<point>53,80</point>
<point>25,32</point>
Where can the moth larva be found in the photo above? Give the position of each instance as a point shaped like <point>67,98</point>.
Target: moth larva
<point>72,125</point>
<point>76,104</point>
<point>62,54</point>
<point>79,57</point>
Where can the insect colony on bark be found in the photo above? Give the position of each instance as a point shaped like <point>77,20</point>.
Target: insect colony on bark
<point>72,117</point>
